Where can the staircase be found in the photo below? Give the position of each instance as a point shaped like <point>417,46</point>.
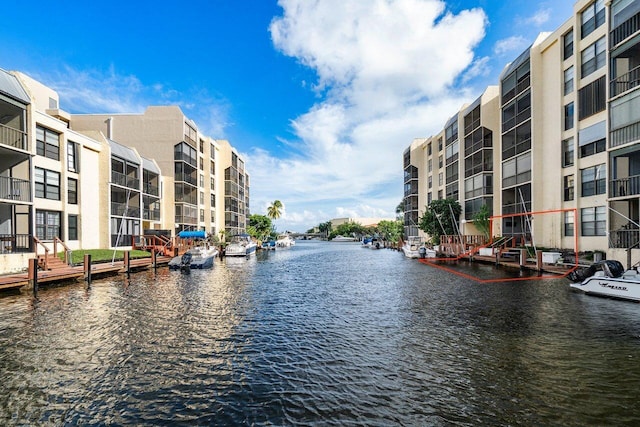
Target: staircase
<point>50,262</point>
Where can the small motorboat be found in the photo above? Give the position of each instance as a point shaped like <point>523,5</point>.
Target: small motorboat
<point>199,257</point>
<point>609,279</point>
<point>241,245</point>
<point>284,241</point>
<point>269,245</point>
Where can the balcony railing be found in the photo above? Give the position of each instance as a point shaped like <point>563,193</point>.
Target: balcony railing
<point>624,30</point>
<point>151,189</point>
<point>15,189</point>
<point>121,209</point>
<point>629,186</point>
<point>625,82</point>
<point>125,180</point>
<point>15,243</point>
<point>624,238</point>
<point>13,137</point>
<point>152,214</point>
<point>624,135</point>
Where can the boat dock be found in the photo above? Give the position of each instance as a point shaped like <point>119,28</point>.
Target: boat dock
<point>35,276</point>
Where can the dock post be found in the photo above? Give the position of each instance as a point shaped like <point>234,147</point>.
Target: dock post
<point>539,260</point>
<point>498,257</point>
<point>87,268</point>
<point>33,275</point>
<point>523,258</point>
<point>127,262</point>
<point>154,259</point>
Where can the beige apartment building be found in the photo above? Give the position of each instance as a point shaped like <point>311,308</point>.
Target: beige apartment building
<point>561,134</point>
<point>204,184</point>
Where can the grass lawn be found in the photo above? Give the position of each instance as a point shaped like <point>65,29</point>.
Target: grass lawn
<point>102,255</point>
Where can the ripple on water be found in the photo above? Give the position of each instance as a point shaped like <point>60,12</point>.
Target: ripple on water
<point>323,333</point>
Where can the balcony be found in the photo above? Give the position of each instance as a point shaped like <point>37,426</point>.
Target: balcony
<point>625,82</point>
<point>121,209</point>
<point>17,190</point>
<point>151,214</point>
<point>628,186</point>
<point>15,243</point>
<point>13,138</point>
<point>624,30</point>
<point>125,180</point>
<point>153,190</point>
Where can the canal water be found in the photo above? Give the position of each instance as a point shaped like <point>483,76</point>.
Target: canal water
<point>321,334</point>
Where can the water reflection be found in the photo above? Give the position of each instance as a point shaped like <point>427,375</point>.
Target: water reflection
<point>323,333</point>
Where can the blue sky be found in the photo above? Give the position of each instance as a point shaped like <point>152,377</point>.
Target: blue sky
<point>320,97</point>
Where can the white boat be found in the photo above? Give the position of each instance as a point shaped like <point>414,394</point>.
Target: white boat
<point>609,279</point>
<point>241,245</point>
<point>367,242</point>
<point>197,257</point>
<point>340,238</point>
<point>284,241</point>
<point>413,248</point>
<point>377,243</point>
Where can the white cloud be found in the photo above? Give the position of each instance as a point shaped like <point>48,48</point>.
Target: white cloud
<point>540,18</point>
<point>96,91</point>
<point>387,69</point>
<point>509,45</point>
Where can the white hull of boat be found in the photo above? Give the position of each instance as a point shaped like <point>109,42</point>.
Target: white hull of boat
<point>343,239</point>
<point>241,246</point>
<point>625,287</point>
<point>285,242</point>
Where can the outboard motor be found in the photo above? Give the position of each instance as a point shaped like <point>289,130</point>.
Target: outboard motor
<point>185,264</point>
<point>422,251</point>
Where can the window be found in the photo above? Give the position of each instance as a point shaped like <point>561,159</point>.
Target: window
<point>568,44</point>
<point>593,180</point>
<point>593,148</point>
<point>428,149</point>
<point>429,197</point>
<point>72,191</point>
<point>430,165</point>
<point>72,227</point>
<point>592,17</point>
<point>592,99</point>
<point>594,57</point>
<point>440,179</point>
<point>594,221</point>
<point>201,215</point>
<point>430,181</point>
<point>568,188</point>
<point>440,161</point>
<point>568,116</point>
<point>47,225</point>
<point>569,222</point>
<point>72,157</point>
<point>47,143</point>
<point>213,200</point>
<point>47,184</point>
<point>212,184</point>
<point>516,170</point>
<point>567,152</point>
<point>568,80</point>
<point>201,180</point>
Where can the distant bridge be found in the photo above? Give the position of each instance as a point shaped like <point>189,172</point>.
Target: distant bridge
<point>307,236</point>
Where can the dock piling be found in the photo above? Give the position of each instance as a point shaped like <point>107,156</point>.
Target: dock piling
<point>33,275</point>
<point>87,268</point>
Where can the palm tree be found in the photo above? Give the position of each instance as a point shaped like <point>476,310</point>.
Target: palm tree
<point>273,211</point>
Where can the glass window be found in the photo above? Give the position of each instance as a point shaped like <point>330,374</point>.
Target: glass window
<point>568,116</point>
<point>569,222</point>
<point>568,44</point>
<point>568,80</point>
<point>591,18</point>
<point>47,143</point>
<point>567,152</point>
<point>72,157</point>
<point>47,225</point>
<point>72,191</point>
<point>72,227</point>
<point>594,57</point>
<point>47,184</point>
<point>593,180</point>
<point>568,188</point>
<point>594,221</point>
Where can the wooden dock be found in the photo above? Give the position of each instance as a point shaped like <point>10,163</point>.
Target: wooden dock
<point>66,273</point>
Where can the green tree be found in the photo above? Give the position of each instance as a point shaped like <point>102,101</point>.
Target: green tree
<point>400,210</point>
<point>273,211</point>
<point>349,229</point>
<point>482,222</point>
<point>391,230</point>
<point>325,227</point>
<point>260,226</point>
<point>440,217</point>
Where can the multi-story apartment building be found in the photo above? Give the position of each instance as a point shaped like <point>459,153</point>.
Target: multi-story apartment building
<point>199,174</point>
<point>624,125</point>
<point>542,145</point>
<point>16,159</point>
